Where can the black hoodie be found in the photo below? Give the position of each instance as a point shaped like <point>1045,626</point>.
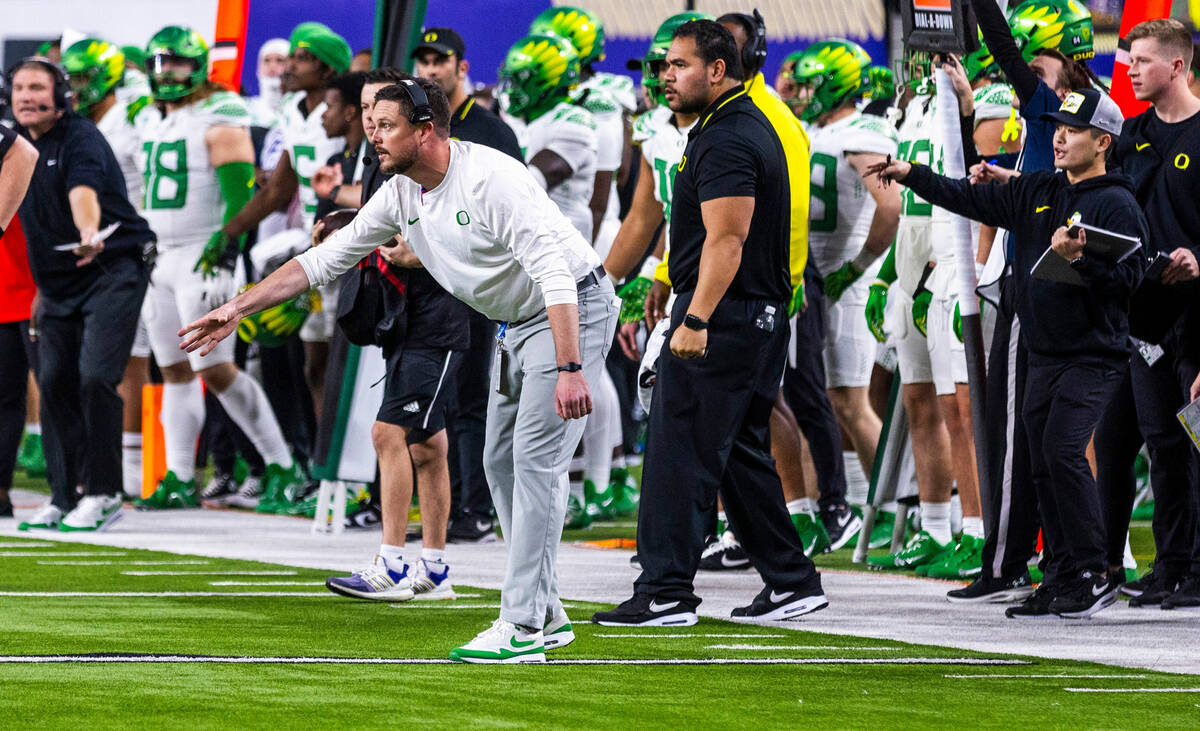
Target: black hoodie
<point>1057,320</point>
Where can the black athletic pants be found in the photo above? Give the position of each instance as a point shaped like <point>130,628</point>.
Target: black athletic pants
<point>710,423</point>
<point>1010,510</point>
<point>1064,401</point>
<point>84,341</point>
<point>466,413</point>
<point>14,380</point>
<point>1159,392</point>
<point>804,391</point>
<point>1118,441</point>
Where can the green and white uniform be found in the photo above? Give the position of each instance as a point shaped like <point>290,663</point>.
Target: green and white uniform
<point>569,132</point>
<point>183,204</point>
<point>609,98</point>
<point>662,145</point>
<point>840,213</point>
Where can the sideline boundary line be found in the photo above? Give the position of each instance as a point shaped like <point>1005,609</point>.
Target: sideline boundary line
<point>101,658</point>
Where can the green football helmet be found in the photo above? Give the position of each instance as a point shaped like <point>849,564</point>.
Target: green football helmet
<point>980,62</point>
<point>94,68</point>
<point>1061,25</point>
<point>581,27</point>
<point>176,42</point>
<point>274,325</point>
<point>539,71</point>
<point>835,71</point>
<point>881,83</point>
<point>657,53</point>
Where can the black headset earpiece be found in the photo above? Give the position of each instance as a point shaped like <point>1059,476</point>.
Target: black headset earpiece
<point>754,53</point>
<point>421,111</point>
<point>62,86</point>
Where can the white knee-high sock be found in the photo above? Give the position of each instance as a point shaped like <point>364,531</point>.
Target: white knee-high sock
<point>935,520</point>
<point>858,486</point>
<point>182,419</point>
<point>246,403</point>
<point>597,434</point>
<point>131,463</point>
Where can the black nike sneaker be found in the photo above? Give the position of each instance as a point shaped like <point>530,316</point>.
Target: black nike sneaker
<point>471,528</point>
<point>644,610</point>
<point>771,605</point>
<point>724,554</point>
<point>1187,596</point>
<point>1156,591</point>
<point>841,524</point>
<point>1036,605</point>
<point>993,591</point>
<point>1085,596</point>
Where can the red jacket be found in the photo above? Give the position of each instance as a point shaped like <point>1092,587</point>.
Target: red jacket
<point>16,282</point>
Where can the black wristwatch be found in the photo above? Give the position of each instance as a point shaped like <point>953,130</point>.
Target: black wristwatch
<point>570,367</point>
<point>334,191</point>
<point>691,322</point>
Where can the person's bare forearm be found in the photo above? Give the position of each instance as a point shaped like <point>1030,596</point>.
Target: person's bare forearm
<point>85,208</point>
<point>564,327</point>
<point>882,232</point>
<point>283,284</point>
<point>719,262</point>
<point>349,196</point>
<point>15,174</point>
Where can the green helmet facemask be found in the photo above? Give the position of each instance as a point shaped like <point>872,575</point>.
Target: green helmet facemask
<point>94,68</point>
<point>652,62</point>
<point>538,72</point>
<point>582,28</point>
<point>176,43</point>
<point>834,71</point>
<point>1061,25</point>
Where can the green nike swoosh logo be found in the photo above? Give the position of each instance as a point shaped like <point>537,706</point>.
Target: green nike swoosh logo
<point>418,218</point>
<point>515,643</point>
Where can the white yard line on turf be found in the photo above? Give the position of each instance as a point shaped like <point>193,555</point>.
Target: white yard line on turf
<point>30,544</point>
<point>167,594</point>
<point>266,583</point>
<point>449,604</point>
<point>787,648</point>
<point>122,563</point>
<point>41,554</point>
<point>209,573</point>
<point>1132,690</point>
<point>1033,675</point>
<point>47,659</point>
<point>673,636</point>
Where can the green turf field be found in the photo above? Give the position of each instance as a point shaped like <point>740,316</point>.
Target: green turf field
<point>836,681</point>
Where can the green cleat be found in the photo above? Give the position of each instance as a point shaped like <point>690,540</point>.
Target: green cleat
<point>1145,511</point>
<point>881,534</point>
<point>920,549</point>
<point>283,487</point>
<point>577,517</point>
<point>172,493</point>
<point>31,458</point>
<point>599,502</point>
<point>965,561</point>
<point>625,494</point>
<point>813,535</point>
<point>945,556</point>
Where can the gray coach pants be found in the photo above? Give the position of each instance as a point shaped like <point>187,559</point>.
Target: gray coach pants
<point>528,449</point>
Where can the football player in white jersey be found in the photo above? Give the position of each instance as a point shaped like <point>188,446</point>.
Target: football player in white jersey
<point>851,225</point>
<point>608,489</point>
<point>96,68</point>
<point>272,63</point>
<point>559,141</point>
<point>317,54</point>
<point>199,169</point>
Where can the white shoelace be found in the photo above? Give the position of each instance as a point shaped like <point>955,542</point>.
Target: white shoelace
<point>499,628</point>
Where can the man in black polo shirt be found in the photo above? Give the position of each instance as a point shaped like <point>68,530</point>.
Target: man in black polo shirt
<point>440,57</point>
<point>729,263</point>
<point>91,289</point>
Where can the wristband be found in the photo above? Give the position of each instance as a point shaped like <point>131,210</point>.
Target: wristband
<point>691,322</point>
<point>570,367</point>
<point>333,193</point>
<point>863,260</point>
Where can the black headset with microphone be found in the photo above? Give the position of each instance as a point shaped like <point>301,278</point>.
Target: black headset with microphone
<point>421,110</point>
<point>62,85</point>
<point>754,53</point>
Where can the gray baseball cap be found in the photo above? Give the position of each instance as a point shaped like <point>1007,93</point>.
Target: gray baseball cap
<point>1089,108</point>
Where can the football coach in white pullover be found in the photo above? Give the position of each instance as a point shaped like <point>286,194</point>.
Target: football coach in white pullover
<point>483,227</point>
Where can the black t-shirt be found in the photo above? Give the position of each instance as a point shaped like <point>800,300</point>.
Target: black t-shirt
<point>733,152</point>
<point>473,122</point>
<point>74,153</point>
<point>7,137</point>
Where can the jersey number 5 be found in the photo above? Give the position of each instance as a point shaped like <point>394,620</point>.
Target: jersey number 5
<point>166,174</point>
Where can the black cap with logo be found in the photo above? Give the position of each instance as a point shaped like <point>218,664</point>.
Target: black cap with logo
<point>443,40</point>
<point>1088,108</point>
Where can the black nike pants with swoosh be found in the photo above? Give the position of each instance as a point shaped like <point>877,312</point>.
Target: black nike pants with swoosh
<point>1064,402</point>
<point>709,433</point>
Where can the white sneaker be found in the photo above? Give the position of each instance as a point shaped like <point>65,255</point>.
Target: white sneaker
<point>247,495</point>
<point>429,584</point>
<point>47,517</point>
<point>502,643</point>
<point>93,513</point>
<point>377,581</point>
<point>557,632</point>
